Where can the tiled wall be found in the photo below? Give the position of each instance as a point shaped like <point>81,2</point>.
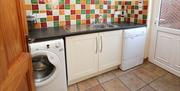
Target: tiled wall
<point>56,13</point>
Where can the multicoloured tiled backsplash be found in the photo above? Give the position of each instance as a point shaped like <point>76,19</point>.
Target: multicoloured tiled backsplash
<point>54,13</point>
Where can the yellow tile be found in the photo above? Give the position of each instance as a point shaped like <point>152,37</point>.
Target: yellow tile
<point>49,18</point>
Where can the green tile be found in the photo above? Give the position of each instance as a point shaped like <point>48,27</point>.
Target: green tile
<point>83,11</point>
<point>96,20</point>
<point>136,7</point>
<point>78,22</point>
<point>104,15</point>
<point>67,6</point>
<point>35,11</point>
<point>88,1</point>
<point>56,24</point>
<point>67,17</point>
<point>135,21</point>
<point>109,11</point>
<point>48,6</point>
<point>61,1</point>
<point>34,1</point>
<point>92,11</point>
<point>132,11</point>
<point>128,2</point>
<point>88,16</point>
<point>116,6</point>
<point>101,6</point>
<point>144,16</point>
<point>78,1</point>
<point>43,19</point>
<point>96,1</point>
<point>112,19</point>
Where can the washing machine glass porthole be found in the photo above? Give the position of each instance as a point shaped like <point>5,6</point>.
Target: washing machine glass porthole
<point>42,68</point>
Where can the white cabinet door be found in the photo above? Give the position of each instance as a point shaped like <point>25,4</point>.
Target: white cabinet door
<point>82,56</point>
<point>166,50</point>
<point>110,49</point>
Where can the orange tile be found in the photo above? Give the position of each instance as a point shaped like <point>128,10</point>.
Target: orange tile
<point>62,23</point>
<point>78,11</point>
<point>49,18</point>
<point>73,17</point>
<point>61,12</point>
<point>97,6</point>
<point>83,1</point>
<point>83,21</point>
<point>72,6</point>
<point>92,16</point>
<point>37,25</point>
<point>88,6</point>
<point>42,11</point>
<point>28,7</point>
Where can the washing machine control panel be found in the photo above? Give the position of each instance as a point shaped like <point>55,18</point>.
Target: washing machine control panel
<point>48,45</point>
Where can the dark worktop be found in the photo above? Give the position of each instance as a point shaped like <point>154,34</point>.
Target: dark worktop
<point>44,34</point>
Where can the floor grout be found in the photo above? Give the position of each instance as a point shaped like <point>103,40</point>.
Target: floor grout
<point>118,77</point>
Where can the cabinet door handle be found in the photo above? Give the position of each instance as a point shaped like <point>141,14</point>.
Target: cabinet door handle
<point>96,45</point>
<point>101,44</point>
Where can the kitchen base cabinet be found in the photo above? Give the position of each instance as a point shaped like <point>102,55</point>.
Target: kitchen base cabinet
<point>92,54</point>
<point>82,58</point>
<point>110,52</point>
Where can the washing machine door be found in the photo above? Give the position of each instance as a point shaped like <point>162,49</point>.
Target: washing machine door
<point>45,64</point>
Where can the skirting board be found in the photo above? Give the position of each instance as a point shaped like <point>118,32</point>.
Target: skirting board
<point>169,69</point>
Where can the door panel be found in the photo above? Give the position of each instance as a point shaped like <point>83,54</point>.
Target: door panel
<point>166,48</point>
<point>17,66</point>
<point>110,49</point>
<point>3,60</point>
<point>82,57</point>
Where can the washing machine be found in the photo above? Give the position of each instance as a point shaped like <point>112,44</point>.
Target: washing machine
<point>49,68</point>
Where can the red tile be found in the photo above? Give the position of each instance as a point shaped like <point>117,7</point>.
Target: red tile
<point>83,7</point>
<point>105,2</point>
<point>78,16</point>
<point>88,11</point>
<point>128,20</point>
<point>56,18</point>
<point>140,12</point>
<point>41,1</point>
<point>112,15</point>
<point>61,6</point>
<point>145,7</point>
<point>92,1</point>
<point>68,23</point>
<point>49,12</point>
<point>35,7</point>
<point>44,25</point>
<point>136,16</point>
<point>88,22</point>
<point>144,21</point>
<point>96,16</point>
<point>73,12</point>
<point>109,6</point>
<point>67,1</point>
<point>105,11</point>
<point>104,20</point>
<point>122,7</point>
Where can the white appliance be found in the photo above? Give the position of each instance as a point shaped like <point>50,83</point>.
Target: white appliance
<point>49,65</point>
<point>133,47</point>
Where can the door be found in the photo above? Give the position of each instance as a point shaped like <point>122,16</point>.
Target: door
<point>165,35</point>
<point>82,56</point>
<point>15,62</point>
<point>110,49</point>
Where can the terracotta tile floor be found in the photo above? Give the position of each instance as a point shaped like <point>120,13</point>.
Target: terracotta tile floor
<point>146,77</point>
